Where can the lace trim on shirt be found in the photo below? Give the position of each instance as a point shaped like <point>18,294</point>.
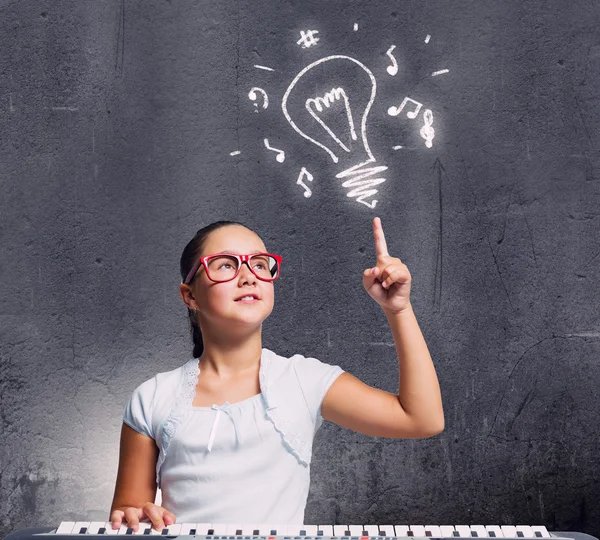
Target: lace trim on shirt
<point>296,444</point>
<point>183,403</point>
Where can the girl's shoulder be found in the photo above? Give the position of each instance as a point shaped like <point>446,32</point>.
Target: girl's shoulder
<point>165,382</point>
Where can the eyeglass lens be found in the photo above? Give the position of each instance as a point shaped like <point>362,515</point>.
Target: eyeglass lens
<point>225,267</point>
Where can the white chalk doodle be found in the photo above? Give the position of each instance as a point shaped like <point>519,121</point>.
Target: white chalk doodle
<point>280,153</point>
<point>395,111</point>
<point>359,179</point>
<point>308,39</point>
<point>393,69</point>
<point>427,38</point>
<point>263,67</point>
<point>235,153</point>
<point>440,72</point>
<point>328,99</point>
<point>355,27</point>
<point>397,147</point>
<point>305,174</point>
<point>359,176</point>
<point>254,97</point>
<point>427,131</point>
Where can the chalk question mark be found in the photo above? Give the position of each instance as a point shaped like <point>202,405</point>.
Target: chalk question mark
<point>252,95</point>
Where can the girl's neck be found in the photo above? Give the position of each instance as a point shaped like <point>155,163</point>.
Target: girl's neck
<point>232,359</point>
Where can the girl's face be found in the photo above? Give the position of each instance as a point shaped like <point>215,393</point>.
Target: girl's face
<point>218,303</point>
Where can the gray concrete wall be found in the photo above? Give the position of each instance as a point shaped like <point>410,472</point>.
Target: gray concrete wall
<point>117,120</point>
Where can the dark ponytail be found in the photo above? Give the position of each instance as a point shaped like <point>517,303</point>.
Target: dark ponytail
<point>189,258</point>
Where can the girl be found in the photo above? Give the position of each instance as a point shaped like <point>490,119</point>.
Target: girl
<point>227,437</point>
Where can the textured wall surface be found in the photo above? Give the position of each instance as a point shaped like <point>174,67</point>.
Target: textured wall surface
<point>117,121</point>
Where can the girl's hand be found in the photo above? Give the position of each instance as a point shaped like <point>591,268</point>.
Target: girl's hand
<point>159,516</point>
<point>388,283</point>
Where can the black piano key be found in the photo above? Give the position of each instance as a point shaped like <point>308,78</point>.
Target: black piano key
<point>273,532</point>
<point>347,533</point>
<point>129,530</point>
<point>319,533</point>
<point>302,533</point>
<point>474,534</point>
<point>101,530</point>
<point>491,534</point>
<point>365,533</point>
<point>238,532</point>
<point>255,532</point>
<point>147,531</point>
<point>165,531</point>
<point>455,533</point>
<point>83,530</point>
<point>520,534</point>
<point>538,534</point>
<point>212,531</point>
<point>410,533</point>
<point>192,532</point>
<point>428,533</point>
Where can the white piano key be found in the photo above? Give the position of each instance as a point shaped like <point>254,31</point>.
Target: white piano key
<point>433,530</point>
<point>78,526</point>
<point>108,528</point>
<point>509,531</point>
<point>142,528</point>
<point>248,529</point>
<point>65,527</point>
<point>480,530</point>
<point>327,530</point>
<point>311,530</point>
<point>340,530</point>
<point>447,530</point>
<point>494,529</point>
<point>372,530</point>
<point>540,529</point>
<point>418,530</point>
<point>401,530</point>
<point>356,530</point>
<point>95,526</point>
<point>387,529</point>
<point>202,528</point>
<point>464,531</point>
<point>122,529</point>
<point>187,527</point>
<point>219,529</point>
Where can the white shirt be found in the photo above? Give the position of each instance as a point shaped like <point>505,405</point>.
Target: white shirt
<point>246,462</point>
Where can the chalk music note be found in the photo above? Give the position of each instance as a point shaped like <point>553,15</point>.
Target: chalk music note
<point>309,177</point>
<point>280,153</point>
<point>393,69</point>
<point>427,131</point>
<point>395,111</point>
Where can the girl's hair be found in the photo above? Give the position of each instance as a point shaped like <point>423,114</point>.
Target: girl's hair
<point>189,258</point>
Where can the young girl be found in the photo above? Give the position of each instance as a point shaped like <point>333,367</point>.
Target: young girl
<point>227,437</point>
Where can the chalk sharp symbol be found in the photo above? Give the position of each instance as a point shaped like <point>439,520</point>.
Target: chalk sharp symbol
<point>393,69</point>
<point>305,174</point>
<point>280,153</point>
<point>308,39</point>
<point>253,96</point>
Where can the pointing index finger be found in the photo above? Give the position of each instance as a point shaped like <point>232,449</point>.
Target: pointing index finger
<point>380,243</point>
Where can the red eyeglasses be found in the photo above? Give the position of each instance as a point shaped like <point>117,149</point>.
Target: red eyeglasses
<point>226,266</point>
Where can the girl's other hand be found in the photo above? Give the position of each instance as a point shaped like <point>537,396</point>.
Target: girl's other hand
<point>388,282</point>
<point>159,516</point>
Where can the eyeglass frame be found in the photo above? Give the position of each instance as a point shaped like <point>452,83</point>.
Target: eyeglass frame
<point>203,261</point>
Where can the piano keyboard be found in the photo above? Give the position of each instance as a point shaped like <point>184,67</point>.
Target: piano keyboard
<point>213,531</point>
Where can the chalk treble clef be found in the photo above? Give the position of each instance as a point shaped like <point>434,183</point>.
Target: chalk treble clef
<point>427,131</point>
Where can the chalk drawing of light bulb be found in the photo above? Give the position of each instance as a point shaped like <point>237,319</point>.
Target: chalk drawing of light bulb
<point>328,104</point>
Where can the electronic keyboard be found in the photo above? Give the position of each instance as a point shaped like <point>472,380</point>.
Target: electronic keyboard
<point>99,530</point>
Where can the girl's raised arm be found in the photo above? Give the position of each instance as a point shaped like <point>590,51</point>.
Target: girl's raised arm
<point>416,411</point>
